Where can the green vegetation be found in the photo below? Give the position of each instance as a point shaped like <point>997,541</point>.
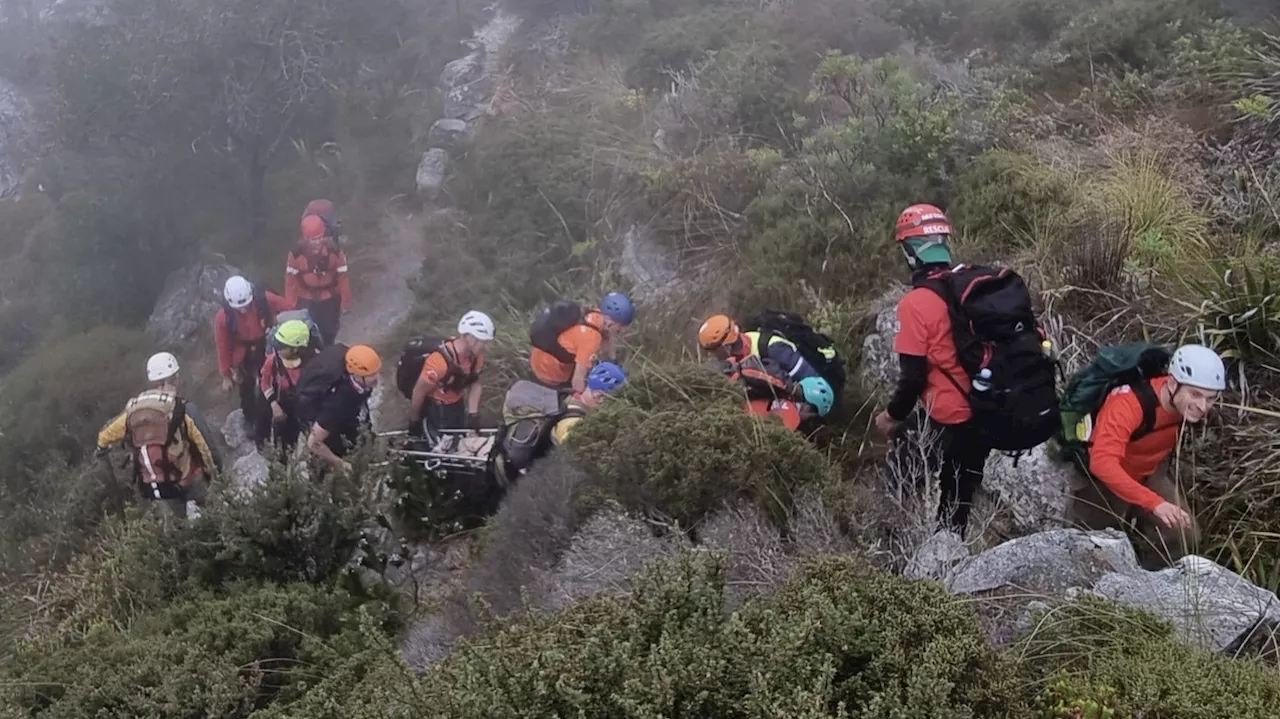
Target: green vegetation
<point>1118,153</point>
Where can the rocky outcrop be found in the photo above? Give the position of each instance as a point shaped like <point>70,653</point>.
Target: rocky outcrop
<point>654,270</point>
<point>15,118</point>
<point>1034,489</point>
<point>1208,605</point>
<point>468,84</point>
<point>431,172</point>
<point>186,307</point>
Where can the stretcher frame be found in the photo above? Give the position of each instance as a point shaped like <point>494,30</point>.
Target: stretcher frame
<point>434,460</point>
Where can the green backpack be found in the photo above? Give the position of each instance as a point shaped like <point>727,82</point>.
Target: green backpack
<point>1134,365</point>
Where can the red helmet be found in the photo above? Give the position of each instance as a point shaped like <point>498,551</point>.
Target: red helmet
<point>921,220</point>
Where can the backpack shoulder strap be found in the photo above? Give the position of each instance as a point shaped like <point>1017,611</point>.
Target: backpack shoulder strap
<point>1147,399</point>
<point>177,422</point>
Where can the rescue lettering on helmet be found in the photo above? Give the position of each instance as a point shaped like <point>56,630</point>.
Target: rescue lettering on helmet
<point>936,229</point>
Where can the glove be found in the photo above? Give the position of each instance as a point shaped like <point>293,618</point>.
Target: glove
<point>473,421</point>
<point>416,429</point>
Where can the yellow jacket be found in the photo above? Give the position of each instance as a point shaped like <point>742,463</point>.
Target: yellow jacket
<point>116,430</point>
<point>575,410</point>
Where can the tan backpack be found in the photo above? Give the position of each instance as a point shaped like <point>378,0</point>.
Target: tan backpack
<point>154,425</point>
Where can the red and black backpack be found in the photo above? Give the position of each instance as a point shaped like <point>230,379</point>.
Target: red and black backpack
<point>1015,408</point>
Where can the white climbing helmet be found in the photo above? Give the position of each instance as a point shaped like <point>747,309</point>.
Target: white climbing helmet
<point>477,324</point>
<point>161,366</point>
<point>1198,366</point>
<point>238,292</point>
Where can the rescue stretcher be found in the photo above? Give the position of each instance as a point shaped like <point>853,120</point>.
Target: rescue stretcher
<point>452,451</point>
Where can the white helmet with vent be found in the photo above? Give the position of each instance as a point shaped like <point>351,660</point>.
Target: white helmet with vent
<point>1198,366</point>
<point>477,324</point>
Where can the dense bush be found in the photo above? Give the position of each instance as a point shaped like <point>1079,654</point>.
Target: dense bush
<point>205,655</point>
<point>292,529</point>
<point>689,450</point>
<point>839,640</point>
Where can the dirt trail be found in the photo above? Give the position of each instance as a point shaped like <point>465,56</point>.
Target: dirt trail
<point>383,296</point>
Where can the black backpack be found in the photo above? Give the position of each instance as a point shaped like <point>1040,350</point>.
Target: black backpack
<point>319,377</point>
<point>415,354</point>
<point>817,349</point>
<point>554,320</point>
<point>259,303</point>
<point>995,328</point>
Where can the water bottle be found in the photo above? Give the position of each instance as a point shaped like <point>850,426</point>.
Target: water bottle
<point>982,382</point>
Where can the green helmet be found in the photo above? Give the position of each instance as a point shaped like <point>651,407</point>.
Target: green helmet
<point>293,333</point>
<point>818,392</point>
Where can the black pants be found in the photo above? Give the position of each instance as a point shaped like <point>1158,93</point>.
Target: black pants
<point>327,314</point>
<point>251,400</point>
<point>437,416</point>
<point>285,431</point>
<point>955,452</point>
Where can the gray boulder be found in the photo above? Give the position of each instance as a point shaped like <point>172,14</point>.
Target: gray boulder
<point>187,305</point>
<point>1208,605</point>
<point>1035,489</point>
<point>449,133</point>
<point>654,270</point>
<point>936,558</point>
<point>879,368</point>
<point>431,172</point>
<point>15,119</point>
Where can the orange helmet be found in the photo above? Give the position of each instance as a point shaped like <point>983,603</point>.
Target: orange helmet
<point>921,220</point>
<point>718,331</point>
<point>313,227</point>
<point>363,361</point>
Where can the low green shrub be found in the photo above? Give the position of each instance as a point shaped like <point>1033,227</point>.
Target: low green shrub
<point>1005,200</point>
<point>840,639</point>
<point>291,529</point>
<point>690,447</point>
<point>204,655</point>
<point>1129,661</point>
<point>54,402</point>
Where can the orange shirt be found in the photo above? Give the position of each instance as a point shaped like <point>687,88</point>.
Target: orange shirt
<point>436,367</point>
<point>1121,464</point>
<point>582,340</point>
<point>925,331</point>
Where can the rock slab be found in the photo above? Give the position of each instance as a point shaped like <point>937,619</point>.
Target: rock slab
<point>1209,605</point>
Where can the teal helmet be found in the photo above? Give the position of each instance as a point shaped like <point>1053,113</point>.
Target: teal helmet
<point>818,392</point>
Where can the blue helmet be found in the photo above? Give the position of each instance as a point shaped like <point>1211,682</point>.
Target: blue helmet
<point>818,392</point>
<point>606,377</point>
<point>618,308</point>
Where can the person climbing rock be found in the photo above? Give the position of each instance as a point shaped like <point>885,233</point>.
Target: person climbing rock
<point>173,460</point>
<point>1130,476</point>
<point>958,428</point>
<point>240,333</point>
<point>333,399</point>
<point>291,349</point>
<point>567,342</point>
<point>446,389</point>
<point>316,277</point>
